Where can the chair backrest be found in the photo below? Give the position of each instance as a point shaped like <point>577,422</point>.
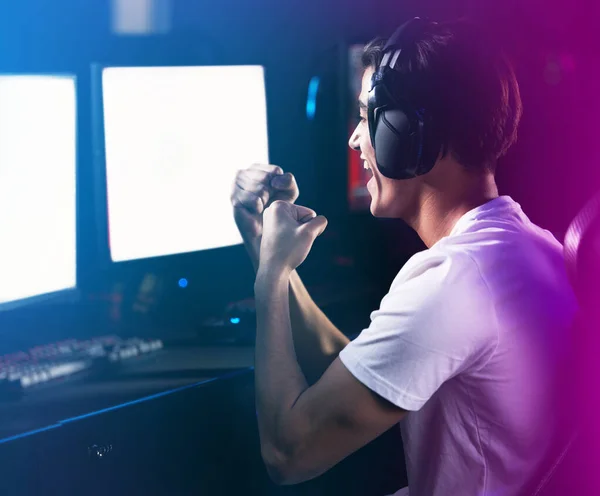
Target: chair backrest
<point>565,470</point>
<point>582,256</point>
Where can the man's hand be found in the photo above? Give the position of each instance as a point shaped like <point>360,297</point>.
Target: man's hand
<point>254,190</point>
<point>289,232</point>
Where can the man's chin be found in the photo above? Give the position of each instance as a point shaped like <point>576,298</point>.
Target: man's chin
<point>373,208</point>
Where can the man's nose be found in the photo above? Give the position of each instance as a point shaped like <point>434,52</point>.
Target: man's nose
<point>353,142</point>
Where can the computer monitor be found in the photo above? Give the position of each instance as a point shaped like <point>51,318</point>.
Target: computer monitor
<point>359,198</point>
<point>37,188</point>
<point>171,142</point>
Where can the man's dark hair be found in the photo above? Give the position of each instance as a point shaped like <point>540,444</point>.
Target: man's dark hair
<point>467,84</point>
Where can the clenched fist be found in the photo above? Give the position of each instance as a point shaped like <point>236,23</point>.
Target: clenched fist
<point>289,234</point>
<point>253,191</point>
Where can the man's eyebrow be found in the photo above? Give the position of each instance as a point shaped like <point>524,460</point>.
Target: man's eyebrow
<point>362,105</point>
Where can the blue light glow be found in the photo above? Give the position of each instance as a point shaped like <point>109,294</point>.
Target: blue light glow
<point>311,101</point>
<point>183,283</point>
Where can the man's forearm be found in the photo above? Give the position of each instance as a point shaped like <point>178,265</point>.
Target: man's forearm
<point>317,341</point>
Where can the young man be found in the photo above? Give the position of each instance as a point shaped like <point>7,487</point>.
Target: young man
<point>465,347</point>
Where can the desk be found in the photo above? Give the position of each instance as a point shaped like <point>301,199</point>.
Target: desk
<point>138,379</point>
<point>166,426</point>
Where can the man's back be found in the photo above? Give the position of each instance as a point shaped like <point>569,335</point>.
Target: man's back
<point>478,325</point>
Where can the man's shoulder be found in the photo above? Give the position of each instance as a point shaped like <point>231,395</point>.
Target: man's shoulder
<point>522,248</point>
<point>512,269</point>
<point>439,275</point>
<point>481,264</point>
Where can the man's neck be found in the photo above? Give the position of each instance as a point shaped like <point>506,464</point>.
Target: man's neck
<point>440,211</point>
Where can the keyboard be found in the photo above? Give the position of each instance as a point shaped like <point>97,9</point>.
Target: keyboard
<point>57,361</point>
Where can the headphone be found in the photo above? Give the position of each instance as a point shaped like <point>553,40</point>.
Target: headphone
<point>401,133</point>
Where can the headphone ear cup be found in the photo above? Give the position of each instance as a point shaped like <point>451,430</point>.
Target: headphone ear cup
<point>393,143</point>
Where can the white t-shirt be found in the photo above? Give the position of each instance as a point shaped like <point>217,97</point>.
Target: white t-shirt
<point>467,340</point>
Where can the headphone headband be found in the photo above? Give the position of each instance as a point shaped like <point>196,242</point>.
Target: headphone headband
<point>403,39</point>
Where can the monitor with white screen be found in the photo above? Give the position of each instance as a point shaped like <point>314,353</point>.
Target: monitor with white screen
<point>37,187</point>
<point>174,139</point>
